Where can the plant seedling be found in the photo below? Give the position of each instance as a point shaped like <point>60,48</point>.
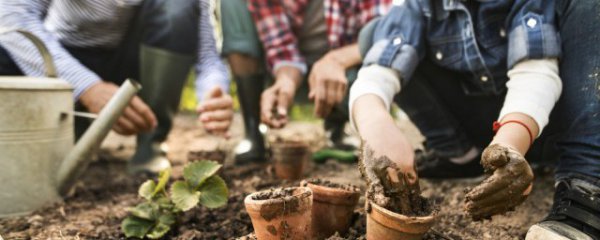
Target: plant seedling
<point>154,217</point>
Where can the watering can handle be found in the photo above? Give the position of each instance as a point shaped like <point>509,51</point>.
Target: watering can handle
<point>49,67</point>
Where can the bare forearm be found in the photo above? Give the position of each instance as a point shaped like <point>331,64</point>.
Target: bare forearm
<point>347,56</point>
<point>368,110</point>
<point>515,135</point>
<point>289,74</point>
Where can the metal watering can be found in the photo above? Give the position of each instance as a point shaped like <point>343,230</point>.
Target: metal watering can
<point>38,161</point>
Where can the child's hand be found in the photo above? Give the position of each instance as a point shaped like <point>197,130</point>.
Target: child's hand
<point>387,164</point>
<point>216,112</point>
<point>391,184</point>
<point>509,185</point>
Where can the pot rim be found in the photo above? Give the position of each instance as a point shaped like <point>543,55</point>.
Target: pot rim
<point>416,224</point>
<point>332,195</point>
<point>304,193</point>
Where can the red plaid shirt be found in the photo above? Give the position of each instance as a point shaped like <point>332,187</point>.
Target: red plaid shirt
<point>277,21</point>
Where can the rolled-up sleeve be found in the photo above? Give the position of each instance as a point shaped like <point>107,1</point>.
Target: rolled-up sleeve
<point>398,41</point>
<point>533,33</point>
<point>28,15</point>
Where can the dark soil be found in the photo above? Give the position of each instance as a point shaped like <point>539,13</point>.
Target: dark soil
<point>216,155</point>
<point>330,184</point>
<point>105,191</point>
<point>273,194</point>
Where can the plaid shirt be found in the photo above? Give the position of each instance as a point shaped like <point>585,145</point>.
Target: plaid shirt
<point>277,21</point>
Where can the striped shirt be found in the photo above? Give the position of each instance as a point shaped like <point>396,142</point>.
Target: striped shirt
<point>94,24</point>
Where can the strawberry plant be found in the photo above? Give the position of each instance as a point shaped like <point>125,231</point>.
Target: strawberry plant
<point>154,217</point>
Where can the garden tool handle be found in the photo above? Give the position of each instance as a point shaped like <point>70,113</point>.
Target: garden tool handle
<point>49,67</point>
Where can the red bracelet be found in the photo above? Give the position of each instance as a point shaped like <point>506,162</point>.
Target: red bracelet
<point>498,125</point>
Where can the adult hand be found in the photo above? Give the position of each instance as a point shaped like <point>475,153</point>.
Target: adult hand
<point>328,84</point>
<point>509,185</point>
<point>136,118</point>
<point>276,100</point>
<point>216,112</point>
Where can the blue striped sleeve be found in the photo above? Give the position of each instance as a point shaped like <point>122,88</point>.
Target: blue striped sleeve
<point>28,15</point>
<point>210,69</point>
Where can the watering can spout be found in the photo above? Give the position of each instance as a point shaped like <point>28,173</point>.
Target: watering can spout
<point>79,157</point>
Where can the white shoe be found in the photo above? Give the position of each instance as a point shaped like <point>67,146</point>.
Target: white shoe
<point>552,230</point>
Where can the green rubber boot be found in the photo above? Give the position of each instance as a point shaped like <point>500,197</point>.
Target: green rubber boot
<point>162,75</point>
<point>252,147</point>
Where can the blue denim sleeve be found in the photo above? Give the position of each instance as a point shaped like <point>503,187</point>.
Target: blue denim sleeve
<point>533,33</point>
<point>397,41</point>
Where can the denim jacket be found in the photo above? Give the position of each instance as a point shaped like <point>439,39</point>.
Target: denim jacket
<point>482,38</point>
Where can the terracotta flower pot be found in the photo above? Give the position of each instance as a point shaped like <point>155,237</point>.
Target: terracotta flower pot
<point>289,159</point>
<point>383,224</point>
<point>281,216</point>
<point>333,207</point>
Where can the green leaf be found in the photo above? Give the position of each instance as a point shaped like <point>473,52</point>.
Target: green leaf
<point>214,192</point>
<point>183,196</point>
<point>136,227</point>
<point>145,210</point>
<point>167,218</point>
<point>163,178</point>
<point>197,172</point>
<point>147,189</point>
<point>158,231</point>
<point>164,202</point>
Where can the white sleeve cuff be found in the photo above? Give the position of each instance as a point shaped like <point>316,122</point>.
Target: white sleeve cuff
<point>374,79</point>
<point>533,89</point>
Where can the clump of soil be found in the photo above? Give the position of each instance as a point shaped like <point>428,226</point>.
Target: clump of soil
<point>273,194</point>
<point>327,183</point>
<point>391,189</point>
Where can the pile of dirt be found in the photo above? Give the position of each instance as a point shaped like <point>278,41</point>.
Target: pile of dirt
<point>273,194</point>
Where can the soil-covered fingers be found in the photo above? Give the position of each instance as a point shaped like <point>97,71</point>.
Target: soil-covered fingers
<point>488,187</point>
<point>495,156</point>
<point>509,185</point>
<point>503,197</point>
<point>485,212</point>
<point>375,194</point>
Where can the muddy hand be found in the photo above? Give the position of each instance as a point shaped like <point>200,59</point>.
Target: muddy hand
<point>509,185</point>
<point>387,185</point>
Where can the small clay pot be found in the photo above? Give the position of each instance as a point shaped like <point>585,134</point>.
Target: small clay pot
<point>384,224</point>
<point>289,159</point>
<point>333,208</point>
<point>281,217</point>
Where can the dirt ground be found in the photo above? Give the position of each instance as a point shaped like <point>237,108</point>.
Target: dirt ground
<point>105,192</point>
